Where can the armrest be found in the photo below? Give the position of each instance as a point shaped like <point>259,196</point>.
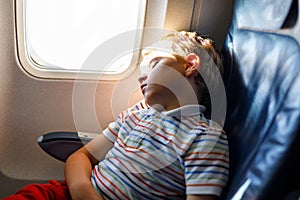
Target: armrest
<point>61,145</point>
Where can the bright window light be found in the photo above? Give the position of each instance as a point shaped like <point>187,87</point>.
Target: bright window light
<point>61,34</point>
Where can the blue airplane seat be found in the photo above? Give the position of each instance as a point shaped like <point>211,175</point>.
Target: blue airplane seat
<point>262,79</point>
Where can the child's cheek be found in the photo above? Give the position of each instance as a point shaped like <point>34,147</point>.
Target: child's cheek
<point>166,76</point>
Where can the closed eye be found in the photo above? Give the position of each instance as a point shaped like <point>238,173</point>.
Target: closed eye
<point>153,63</point>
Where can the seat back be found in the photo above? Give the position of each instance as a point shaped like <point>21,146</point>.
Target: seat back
<point>262,78</point>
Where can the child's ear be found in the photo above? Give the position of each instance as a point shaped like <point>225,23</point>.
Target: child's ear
<point>193,65</point>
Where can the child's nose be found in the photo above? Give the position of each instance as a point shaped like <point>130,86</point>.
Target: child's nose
<point>142,78</point>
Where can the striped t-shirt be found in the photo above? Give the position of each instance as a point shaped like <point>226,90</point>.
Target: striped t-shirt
<point>163,155</point>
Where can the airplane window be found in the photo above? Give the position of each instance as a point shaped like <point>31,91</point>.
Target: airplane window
<point>60,35</point>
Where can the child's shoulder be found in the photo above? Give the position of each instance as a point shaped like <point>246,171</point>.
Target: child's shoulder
<point>208,126</point>
<point>215,126</point>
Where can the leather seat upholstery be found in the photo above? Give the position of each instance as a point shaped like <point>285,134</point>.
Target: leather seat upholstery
<point>262,80</point>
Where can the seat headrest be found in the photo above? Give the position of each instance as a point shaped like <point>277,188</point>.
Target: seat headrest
<point>257,14</point>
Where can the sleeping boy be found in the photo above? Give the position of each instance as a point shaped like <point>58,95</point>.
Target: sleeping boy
<point>164,147</point>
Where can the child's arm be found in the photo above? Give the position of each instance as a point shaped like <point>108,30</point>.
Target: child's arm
<point>78,167</point>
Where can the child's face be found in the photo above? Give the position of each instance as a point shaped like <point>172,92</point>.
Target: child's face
<point>162,76</point>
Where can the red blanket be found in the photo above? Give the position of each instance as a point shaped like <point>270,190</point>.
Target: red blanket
<point>52,190</point>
